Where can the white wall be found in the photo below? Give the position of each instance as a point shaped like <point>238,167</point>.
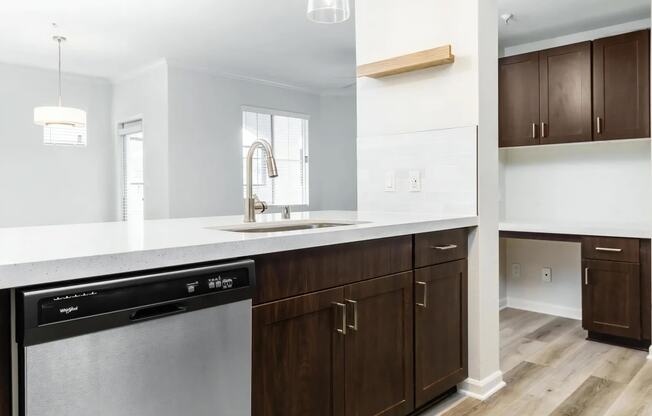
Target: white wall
<point>145,94</point>
<point>592,183</point>
<point>563,295</point>
<point>44,185</point>
<point>205,156</point>
<point>446,162</point>
<point>457,95</point>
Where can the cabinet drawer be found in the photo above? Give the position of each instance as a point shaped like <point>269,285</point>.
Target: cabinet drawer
<point>291,273</point>
<point>440,247</point>
<point>611,248</point>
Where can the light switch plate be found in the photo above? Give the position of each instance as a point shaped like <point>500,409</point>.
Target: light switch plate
<point>414,184</point>
<point>546,274</point>
<point>390,181</point>
<point>516,271</point>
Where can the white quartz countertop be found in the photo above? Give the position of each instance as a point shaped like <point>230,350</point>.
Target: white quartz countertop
<point>36,255</point>
<point>598,229</point>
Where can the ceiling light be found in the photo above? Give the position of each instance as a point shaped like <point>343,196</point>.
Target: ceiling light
<point>54,116</point>
<point>328,11</point>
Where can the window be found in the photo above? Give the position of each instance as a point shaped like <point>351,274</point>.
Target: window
<point>288,135</point>
<point>64,135</point>
<point>133,197</point>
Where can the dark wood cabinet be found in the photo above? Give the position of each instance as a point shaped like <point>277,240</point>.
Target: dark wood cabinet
<point>621,86</point>
<point>440,329</point>
<point>587,91</point>
<point>298,356</point>
<point>379,347</point>
<point>518,98</point>
<point>565,94</point>
<point>611,298</point>
<point>349,350</point>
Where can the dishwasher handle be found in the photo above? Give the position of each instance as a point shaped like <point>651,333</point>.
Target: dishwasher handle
<point>158,311</point>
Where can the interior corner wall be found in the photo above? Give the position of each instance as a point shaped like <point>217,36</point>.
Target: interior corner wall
<point>443,97</point>
<point>46,184</point>
<point>205,145</point>
<point>146,95</point>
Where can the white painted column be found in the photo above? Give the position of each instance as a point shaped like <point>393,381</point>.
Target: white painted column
<point>457,95</point>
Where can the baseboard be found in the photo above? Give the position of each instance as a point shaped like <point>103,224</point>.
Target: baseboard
<point>649,356</point>
<point>502,303</point>
<point>542,307</point>
<point>482,389</point>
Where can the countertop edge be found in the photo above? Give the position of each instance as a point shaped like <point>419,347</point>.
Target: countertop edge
<point>69,269</point>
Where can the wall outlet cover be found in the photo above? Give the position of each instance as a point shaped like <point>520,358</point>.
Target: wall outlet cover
<point>516,271</point>
<point>414,184</point>
<point>390,181</point>
<point>546,274</point>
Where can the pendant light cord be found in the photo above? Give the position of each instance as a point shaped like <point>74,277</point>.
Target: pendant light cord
<point>59,42</point>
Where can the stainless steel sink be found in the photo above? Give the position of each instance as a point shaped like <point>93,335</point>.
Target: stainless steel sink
<point>276,227</point>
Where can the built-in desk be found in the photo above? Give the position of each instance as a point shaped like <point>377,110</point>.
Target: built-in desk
<point>616,282</point>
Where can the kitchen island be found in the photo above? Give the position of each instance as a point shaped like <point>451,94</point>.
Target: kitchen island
<point>332,306</point>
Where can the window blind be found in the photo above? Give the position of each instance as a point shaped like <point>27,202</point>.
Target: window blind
<point>288,135</point>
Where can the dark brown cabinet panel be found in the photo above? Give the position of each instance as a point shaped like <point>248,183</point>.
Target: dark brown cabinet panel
<point>611,248</point>
<point>611,298</point>
<point>298,356</point>
<point>518,98</point>
<point>379,347</point>
<point>291,273</point>
<point>621,86</point>
<point>440,329</point>
<point>646,289</point>
<point>440,247</point>
<point>565,91</point>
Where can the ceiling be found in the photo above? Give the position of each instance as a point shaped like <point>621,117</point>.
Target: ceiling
<point>536,20</point>
<point>262,39</point>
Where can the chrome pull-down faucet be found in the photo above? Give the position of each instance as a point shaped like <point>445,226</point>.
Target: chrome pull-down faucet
<point>252,205</point>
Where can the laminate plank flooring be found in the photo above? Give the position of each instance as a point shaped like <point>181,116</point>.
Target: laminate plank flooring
<point>551,369</point>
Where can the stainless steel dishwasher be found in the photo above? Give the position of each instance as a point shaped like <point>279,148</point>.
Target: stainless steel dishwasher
<point>160,344</point>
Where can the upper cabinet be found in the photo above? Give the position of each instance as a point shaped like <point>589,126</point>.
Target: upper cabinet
<point>519,100</point>
<point>565,94</point>
<point>586,91</point>
<point>621,86</point>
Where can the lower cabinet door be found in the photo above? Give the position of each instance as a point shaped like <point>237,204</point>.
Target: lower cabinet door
<point>440,294</point>
<point>298,356</point>
<point>611,298</point>
<point>379,347</point>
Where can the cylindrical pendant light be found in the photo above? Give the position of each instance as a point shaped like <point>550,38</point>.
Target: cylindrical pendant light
<point>328,11</point>
<point>50,116</point>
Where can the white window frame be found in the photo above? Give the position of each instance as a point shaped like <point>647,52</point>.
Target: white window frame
<point>306,152</point>
<point>131,125</point>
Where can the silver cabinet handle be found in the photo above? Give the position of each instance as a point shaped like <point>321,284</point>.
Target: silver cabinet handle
<point>354,304</point>
<point>543,129</point>
<point>598,125</point>
<point>534,130</point>
<point>423,304</point>
<point>612,250</point>
<point>446,247</point>
<point>342,306</point>
<point>586,275</point>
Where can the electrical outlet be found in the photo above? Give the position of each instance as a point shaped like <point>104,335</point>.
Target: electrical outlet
<point>390,181</point>
<point>414,181</point>
<point>546,274</point>
<point>516,271</point>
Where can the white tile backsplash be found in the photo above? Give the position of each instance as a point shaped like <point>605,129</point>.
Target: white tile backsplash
<point>445,159</point>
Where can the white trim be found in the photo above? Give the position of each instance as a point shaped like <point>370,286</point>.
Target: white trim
<point>482,389</point>
<point>502,303</point>
<point>274,112</point>
<point>649,355</point>
<point>543,307</point>
<point>577,37</point>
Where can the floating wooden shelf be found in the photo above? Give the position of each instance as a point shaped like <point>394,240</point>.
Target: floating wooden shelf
<point>411,62</point>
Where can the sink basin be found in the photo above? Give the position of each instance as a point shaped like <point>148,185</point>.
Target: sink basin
<point>275,227</point>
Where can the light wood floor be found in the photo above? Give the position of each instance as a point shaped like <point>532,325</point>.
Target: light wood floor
<point>551,369</point>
